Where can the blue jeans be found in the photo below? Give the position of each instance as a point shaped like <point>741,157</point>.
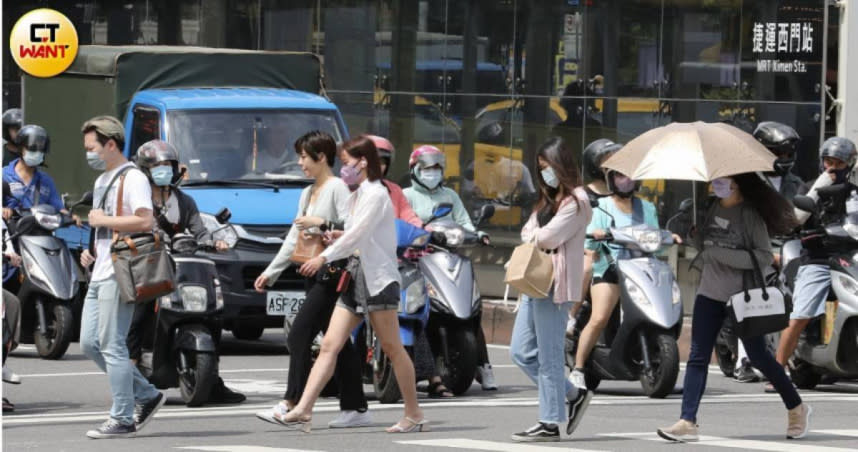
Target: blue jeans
<point>812,283</point>
<point>707,319</point>
<point>538,348</point>
<point>104,327</point>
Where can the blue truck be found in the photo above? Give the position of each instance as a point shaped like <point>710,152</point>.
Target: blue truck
<point>233,116</point>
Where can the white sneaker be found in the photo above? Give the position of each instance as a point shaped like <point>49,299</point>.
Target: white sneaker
<point>351,419</point>
<point>275,414</point>
<point>10,377</point>
<point>486,377</point>
<point>570,326</point>
<point>577,379</point>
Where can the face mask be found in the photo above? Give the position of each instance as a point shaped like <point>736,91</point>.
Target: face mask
<point>95,162</point>
<point>33,159</point>
<point>624,185</point>
<point>840,175</point>
<point>431,178</point>
<point>549,177</point>
<point>722,188</point>
<point>350,175</point>
<point>162,175</point>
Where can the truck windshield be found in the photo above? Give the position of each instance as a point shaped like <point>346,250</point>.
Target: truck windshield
<point>218,145</point>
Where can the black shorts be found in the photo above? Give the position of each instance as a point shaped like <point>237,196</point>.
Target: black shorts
<point>610,276</point>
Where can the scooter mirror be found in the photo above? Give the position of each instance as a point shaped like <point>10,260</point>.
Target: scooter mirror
<point>441,210</point>
<point>804,203</point>
<point>85,200</point>
<point>486,212</point>
<point>686,205</point>
<point>223,215</point>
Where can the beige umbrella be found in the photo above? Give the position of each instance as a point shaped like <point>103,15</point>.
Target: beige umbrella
<point>698,151</point>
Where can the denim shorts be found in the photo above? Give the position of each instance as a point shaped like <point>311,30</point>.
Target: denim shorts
<point>812,283</point>
<point>357,299</point>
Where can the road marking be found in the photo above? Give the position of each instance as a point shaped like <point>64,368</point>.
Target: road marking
<point>86,374</point>
<point>852,433</point>
<point>498,346</point>
<point>747,444</point>
<point>472,444</point>
<point>245,449</point>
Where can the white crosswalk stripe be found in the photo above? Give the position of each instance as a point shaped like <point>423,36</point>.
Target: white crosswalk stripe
<point>852,433</point>
<point>746,444</point>
<point>473,444</point>
<point>239,448</point>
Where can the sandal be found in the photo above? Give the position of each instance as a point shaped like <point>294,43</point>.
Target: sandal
<point>420,426</point>
<point>437,390</point>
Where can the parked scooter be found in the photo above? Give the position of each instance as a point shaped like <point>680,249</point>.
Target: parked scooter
<point>180,345</point>
<point>640,340</point>
<point>829,344</point>
<point>413,314</point>
<point>49,280</point>
<point>456,314</point>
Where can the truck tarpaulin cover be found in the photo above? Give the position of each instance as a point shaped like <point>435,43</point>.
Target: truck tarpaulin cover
<point>136,68</point>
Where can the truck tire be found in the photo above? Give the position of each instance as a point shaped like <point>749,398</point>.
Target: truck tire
<point>196,384</point>
<point>55,342</point>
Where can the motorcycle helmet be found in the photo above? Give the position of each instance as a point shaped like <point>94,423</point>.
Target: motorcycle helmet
<point>620,191</point>
<point>385,150</point>
<point>424,157</point>
<point>781,140</point>
<point>840,148</point>
<point>594,153</point>
<point>155,152</point>
<point>12,118</point>
<point>34,138</point>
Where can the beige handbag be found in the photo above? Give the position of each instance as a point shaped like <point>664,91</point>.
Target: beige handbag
<point>530,270</point>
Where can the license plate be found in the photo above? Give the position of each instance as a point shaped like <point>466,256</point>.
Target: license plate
<point>285,303</point>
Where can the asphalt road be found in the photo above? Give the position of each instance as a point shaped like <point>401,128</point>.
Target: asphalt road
<point>60,400</point>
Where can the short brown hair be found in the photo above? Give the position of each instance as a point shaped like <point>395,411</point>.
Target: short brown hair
<point>362,147</point>
<point>106,128</point>
<point>316,144</point>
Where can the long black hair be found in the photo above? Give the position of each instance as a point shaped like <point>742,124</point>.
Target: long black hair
<point>559,155</point>
<point>775,210</point>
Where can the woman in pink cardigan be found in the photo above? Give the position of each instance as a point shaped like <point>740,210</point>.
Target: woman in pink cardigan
<point>558,226</point>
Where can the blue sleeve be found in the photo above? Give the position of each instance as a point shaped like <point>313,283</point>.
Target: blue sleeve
<point>599,221</point>
<point>650,214</point>
<point>54,198</point>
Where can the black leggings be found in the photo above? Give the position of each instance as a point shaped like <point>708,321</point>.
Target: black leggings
<point>313,317</point>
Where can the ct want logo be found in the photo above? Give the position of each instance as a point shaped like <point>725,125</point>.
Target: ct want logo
<point>43,42</point>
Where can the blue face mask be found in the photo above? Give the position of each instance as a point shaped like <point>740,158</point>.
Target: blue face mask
<point>162,175</point>
<point>33,159</point>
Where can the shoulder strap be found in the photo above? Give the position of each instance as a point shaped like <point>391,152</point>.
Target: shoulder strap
<point>118,212</point>
<point>37,196</point>
<point>638,216</point>
<point>92,231</point>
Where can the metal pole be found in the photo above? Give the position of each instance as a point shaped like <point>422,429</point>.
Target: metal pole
<point>847,90</point>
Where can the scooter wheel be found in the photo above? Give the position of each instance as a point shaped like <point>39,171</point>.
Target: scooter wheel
<point>196,382</point>
<point>55,342</point>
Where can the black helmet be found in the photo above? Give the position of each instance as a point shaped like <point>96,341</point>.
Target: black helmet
<point>840,148</point>
<point>34,138</point>
<point>12,117</point>
<point>781,139</point>
<point>593,155</point>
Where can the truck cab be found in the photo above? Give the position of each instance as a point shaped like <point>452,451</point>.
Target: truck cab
<point>236,146</point>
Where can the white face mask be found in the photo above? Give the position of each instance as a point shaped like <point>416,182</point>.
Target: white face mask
<point>431,178</point>
<point>549,177</point>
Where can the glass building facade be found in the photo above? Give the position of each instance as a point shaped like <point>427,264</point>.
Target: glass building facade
<point>488,81</point>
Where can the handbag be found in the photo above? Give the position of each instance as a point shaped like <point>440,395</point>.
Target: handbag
<point>760,310</point>
<point>530,270</point>
<point>143,268</point>
<point>310,242</point>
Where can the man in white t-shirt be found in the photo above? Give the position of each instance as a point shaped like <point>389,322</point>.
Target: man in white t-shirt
<point>105,320</point>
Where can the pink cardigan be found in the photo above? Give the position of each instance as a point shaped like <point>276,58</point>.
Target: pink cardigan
<point>566,233</point>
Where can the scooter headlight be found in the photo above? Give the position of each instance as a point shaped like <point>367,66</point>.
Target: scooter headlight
<point>677,294</point>
<point>454,236</point>
<point>50,222</point>
<point>415,297</point>
<point>648,240</point>
<point>848,284</point>
<point>636,293</point>
<point>193,298</point>
<point>218,294</point>
<point>166,302</point>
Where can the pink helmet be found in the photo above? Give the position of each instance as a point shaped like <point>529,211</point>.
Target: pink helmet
<point>426,156</point>
<point>384,146</point>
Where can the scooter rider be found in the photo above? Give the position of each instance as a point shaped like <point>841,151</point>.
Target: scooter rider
<point>175,212</point>
<point>13,120</point>
<point>28,185</point>
<point>401,207</point>
<point>427,164</point>
<point>813,280</point>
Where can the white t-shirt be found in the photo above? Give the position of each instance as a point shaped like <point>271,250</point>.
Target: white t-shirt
<point>136,194</point>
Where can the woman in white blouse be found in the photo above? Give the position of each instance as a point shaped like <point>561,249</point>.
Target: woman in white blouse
<point>369,239</point>
<point>324,203</point>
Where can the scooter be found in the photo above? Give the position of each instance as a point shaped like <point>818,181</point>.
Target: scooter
<point>180,344</point>
<point>413,314</point>
<point>49,280</point>
<point>640,340</point>
<point>829,344</point>
<point>456,314</point>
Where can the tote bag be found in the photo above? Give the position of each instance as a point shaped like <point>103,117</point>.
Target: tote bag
<point>530,270</point>
<point>758,310</point>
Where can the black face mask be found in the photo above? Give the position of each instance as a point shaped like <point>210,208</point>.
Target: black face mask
<point>840,175</point>
<point>783,165</point>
